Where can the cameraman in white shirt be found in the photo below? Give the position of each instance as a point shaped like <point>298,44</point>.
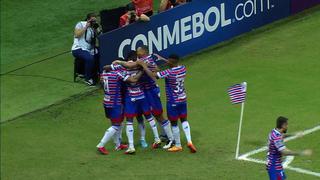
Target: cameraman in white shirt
<point>84,45</point>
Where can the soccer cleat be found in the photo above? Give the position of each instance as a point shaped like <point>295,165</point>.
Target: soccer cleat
<point>121,147</point>
<point>103,151</point>
<point>168,145</point>
<point>130,151</point>
<point>192,148</point>
<point>175,149</point>
<point>143,143</point>
<point>89,82</point>
<point>156,144</point>
<point>164,138</point>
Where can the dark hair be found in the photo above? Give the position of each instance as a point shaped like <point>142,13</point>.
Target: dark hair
<point>130,7</point>
<point>132,55</point>
<point>90,15</point>
<point>280,121</point>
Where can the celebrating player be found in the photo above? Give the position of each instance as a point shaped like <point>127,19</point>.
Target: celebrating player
<point>135,104</point>
<point>112,82</point>
<point>277,149</point>
<point>176,99</point>
<point>151,90</point>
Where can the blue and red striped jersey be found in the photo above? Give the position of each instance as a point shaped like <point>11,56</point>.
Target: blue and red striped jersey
<point>147,81</point>
<point>112,84</point>
<point>276,145</point>
<point>134,90</point>
<point>174,78</point>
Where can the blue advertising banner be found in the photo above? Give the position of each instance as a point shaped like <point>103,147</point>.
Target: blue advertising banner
<point>192,27</point>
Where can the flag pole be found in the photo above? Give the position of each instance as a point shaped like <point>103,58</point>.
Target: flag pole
<point>239,132</point>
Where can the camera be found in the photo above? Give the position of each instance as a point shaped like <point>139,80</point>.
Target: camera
<point>132,17</point>
<point>94,24</point>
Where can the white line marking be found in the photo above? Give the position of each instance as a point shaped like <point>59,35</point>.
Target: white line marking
<point>288,160</point>
<point>264,148</point>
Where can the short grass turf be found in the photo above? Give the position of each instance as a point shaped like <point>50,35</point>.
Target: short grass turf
<point>34,30</point>
<point>281,65</point>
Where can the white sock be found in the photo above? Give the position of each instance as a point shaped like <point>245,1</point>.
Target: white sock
<point>153,126</point>
<point>129,131</point>
<point>117,137</point>
<point>166,126</point>
<point>176,135</point>
<point>162,130</point>
<point>186,129</point>
<point>107,136</point>
<point>142,130</point>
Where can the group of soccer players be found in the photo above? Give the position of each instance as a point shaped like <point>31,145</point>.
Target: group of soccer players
<point>131,92</point>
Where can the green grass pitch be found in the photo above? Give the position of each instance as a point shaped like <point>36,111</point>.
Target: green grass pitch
<point>280,62</point>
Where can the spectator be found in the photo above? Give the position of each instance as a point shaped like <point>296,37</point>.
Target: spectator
<point>144,7</point>
<point>168,4</point>
<point>83,47</point>
<point>132,16</point>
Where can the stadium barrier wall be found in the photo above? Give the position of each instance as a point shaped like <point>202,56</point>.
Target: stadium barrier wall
<point>194,26</point>
<point>300,5</point>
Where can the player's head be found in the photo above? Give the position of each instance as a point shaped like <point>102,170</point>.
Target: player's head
<point>173,60</point>
<point>132,56</point>
<point>142,51</point>
<point>282,124</point>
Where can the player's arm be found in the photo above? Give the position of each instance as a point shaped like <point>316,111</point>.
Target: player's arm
<point>135,78</point>
<point>153,75</point>
<point>278,142</point>
<point>288,152</point>
<point>297,134</point>
<point>160,57</point>
<point>129,65</point>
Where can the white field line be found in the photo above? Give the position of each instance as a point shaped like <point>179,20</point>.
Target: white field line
<point>288,159</point>
<point>264,148</point>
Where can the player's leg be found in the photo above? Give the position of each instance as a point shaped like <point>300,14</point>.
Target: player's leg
<point>153,98</point>
<point>112,114</point>
<point>141,126</point>
<point>157,111</point>
<point>145,108</point>
<point>176,135</point>
<point>117,138</point>
<point>173,117</point>
<point>182,110</point>
<point>130,111</point>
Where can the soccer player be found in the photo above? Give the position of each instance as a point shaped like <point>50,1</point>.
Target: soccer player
<point>152,91</point>
<point>176,99</point>
<point>136,104</point>
<point>112,83</point>
<point>277,149</point>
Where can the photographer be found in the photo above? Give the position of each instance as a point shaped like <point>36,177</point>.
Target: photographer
<point>84,42</point>
<point>132,16</point>
<point>168,4</point>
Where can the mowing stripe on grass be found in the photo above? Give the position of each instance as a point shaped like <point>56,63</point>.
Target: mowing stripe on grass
<point>70,98</point>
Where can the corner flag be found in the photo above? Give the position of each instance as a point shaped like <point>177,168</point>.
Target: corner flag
<point>237,95</point>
